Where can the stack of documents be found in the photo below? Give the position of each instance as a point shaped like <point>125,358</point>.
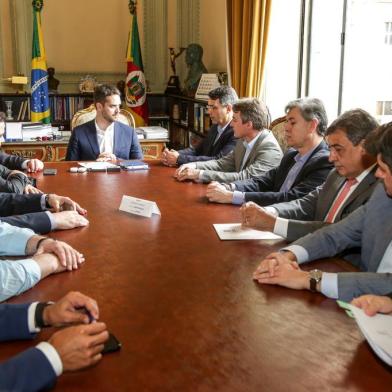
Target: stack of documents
<point>27,131</point>
<point>31,131</point>
<point>154,132</point>
<point>377,330</point>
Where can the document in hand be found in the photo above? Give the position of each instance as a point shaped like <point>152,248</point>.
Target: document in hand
<point>377,331</point>
<point>134,165</point>
<point>235,231</point>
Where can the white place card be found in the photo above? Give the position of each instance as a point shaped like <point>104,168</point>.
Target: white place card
<point>140,207</point>
<point>235,231</point>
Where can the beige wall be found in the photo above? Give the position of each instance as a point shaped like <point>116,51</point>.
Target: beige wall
<point>86,36</point>
<point>213,34</point>
<point>6,39</point>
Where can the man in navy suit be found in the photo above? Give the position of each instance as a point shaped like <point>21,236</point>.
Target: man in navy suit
<point>104,138</point>
<point>220,139</point>
<point>304,167</point>
<point>68,349</point>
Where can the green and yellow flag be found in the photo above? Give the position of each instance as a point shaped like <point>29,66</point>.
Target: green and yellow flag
<point>39,75</point>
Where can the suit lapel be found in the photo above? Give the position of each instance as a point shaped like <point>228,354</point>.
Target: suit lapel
<point>299,178</point>
<point>330,196</point>
<point>254,150</point>
<point>361,188</point>
<point>92,138</point>
<point>116,138</point>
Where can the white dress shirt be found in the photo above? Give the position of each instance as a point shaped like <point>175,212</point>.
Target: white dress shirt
<point>105,138</point>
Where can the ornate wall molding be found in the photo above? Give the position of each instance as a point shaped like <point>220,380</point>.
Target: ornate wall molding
<point>155,56</point>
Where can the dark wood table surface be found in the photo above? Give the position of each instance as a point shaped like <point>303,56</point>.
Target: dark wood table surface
<point>184,305</point>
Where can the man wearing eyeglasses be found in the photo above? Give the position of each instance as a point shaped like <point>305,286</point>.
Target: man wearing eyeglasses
<point>220,139</point>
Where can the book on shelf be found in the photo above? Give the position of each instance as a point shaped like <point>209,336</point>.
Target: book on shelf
<point>134,165</point>
<point>153,132</point>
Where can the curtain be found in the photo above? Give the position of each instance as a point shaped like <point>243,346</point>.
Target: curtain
<point>247,28</point>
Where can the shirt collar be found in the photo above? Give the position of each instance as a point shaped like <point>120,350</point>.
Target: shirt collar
<point>250,145</point>
<point>101,131</point>
<point>221,128</point>
<point>365,173</point>
<point>305,157</point>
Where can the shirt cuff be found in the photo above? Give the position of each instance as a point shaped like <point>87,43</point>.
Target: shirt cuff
<point>43,202</point>
<point>24,164</point>
<point>31,318</point>
<point>272,210</point>
<point>300,253</point>
<point>281,227</point>
<point>53,224</point>
<point>201,179</point>
<point>329,285</point>
<point>52,355</point>
<point>238,198</point>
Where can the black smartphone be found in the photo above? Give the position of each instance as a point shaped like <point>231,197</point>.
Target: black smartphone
<point>111,345</point>
<point>50,171</point>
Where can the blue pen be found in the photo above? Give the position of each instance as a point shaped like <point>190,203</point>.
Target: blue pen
<point>84,310</point>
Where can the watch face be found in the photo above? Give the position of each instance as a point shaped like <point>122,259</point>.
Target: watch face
<point>316,275</point>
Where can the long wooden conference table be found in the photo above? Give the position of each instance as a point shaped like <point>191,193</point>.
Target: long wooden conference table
<point>184,305</point>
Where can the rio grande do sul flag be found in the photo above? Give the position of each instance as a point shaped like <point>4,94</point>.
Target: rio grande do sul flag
<point>39,76</point>
<point>135,88</point>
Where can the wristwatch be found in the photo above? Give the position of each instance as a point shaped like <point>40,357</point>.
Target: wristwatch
<point>315,277</point>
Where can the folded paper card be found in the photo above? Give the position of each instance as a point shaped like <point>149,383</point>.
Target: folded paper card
<point>140,207</point>
<point>235,231</point>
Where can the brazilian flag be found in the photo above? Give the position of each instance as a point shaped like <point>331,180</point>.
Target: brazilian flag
<point>40,111</point>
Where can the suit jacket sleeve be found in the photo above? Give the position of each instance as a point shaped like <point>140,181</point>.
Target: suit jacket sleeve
<point>136,151</point>
<point>13,162</point>
<point>297,229</point>
<point>73,148</point>
<point>30,370</point>
<point>39,222</point>
<point>12,204</point>
<point>266,156</point>
<point>333,239</point>
<point>355,284</point>
<point>300,209</point>
<point>194,155</point>
<point>14,184</point>
<point>27,371</point>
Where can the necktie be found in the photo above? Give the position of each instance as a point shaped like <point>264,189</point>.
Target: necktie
<point>339,200</point>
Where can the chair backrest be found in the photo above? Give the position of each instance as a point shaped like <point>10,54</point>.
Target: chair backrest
<point>277,128</point>
<point>88,114</point>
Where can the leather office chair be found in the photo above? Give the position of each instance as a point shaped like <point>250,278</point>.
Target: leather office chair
<point>88,114</point>
<point>277,128</point>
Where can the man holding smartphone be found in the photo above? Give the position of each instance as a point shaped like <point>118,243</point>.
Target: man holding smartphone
<point>69,349</point>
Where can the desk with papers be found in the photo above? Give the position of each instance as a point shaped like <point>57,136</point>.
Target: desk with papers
<point>184,305</point>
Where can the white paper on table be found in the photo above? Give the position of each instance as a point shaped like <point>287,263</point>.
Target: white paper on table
<point>96,165</point>
<point>377,331</point>
<point>235,231</point>
<point>140,207</point>
<point>14,130</point>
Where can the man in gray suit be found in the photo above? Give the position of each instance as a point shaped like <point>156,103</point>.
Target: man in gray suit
<point>369,227</point>
<point>353,166</point>
<point>256,152</point>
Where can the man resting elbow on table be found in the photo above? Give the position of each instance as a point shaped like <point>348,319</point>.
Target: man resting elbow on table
<point>41,213</point>
<point>368,227</point>
<point>48,256</point>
